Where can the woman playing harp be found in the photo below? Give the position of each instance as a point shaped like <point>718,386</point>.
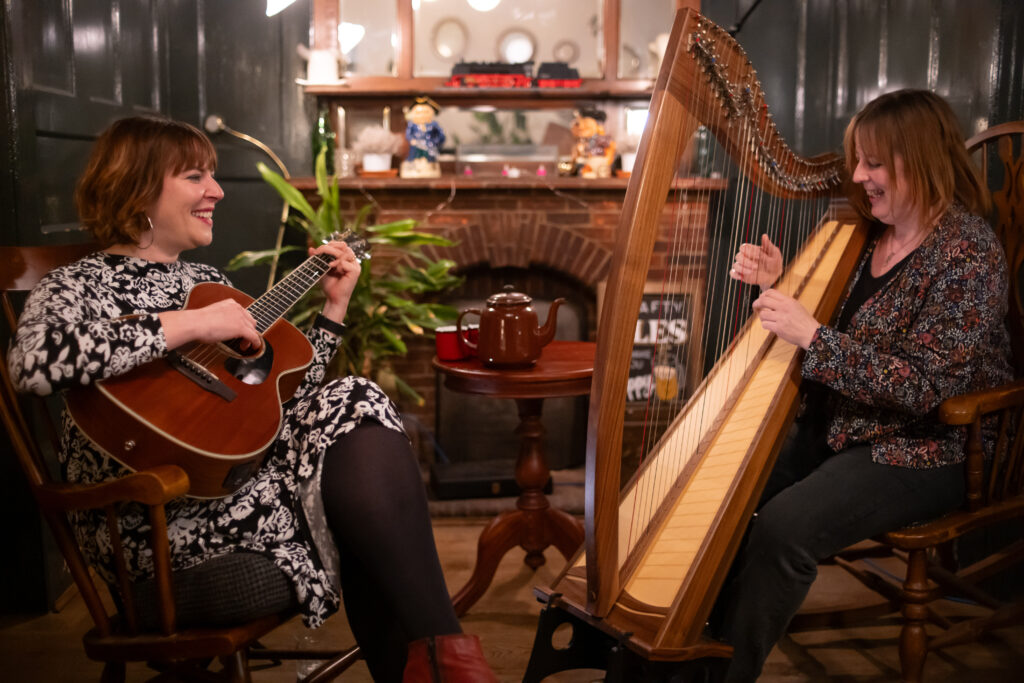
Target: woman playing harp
<point>921,322</point>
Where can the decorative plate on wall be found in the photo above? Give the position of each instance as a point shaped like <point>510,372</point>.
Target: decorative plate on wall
<point>449,39</point>
<point>516,45</point>
<point>566,51</point>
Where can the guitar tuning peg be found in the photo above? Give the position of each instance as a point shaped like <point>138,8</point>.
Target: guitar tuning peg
<point>359,245</point>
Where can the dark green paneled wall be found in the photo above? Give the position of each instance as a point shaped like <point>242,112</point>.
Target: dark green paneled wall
<point>821,60</point>
<point>69,68</point>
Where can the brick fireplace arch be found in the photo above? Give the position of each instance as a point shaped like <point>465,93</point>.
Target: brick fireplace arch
<point>520,239</point>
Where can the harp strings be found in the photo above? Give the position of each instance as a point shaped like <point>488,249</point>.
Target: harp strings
<point>684,275</point>
<point>695,256</point>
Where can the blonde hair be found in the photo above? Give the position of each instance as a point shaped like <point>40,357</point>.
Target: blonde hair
<point>920,128</point>
<point>125,173</point>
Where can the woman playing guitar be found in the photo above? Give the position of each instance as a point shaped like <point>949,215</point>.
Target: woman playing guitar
<point>338,504</point>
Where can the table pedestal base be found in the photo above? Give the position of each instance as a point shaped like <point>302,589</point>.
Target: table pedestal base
<point>533,525</point>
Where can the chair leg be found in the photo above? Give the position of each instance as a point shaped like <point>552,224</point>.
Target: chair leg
<point>236,666</point>
<point>913,637</point>
<point>334,667</point>
<point>113,672</point>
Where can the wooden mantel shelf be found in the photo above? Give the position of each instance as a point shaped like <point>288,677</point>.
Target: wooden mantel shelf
<point>448,182</point>
<point>381,87</point>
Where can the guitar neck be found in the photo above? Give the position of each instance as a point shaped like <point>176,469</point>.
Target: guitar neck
<point>279,299</point>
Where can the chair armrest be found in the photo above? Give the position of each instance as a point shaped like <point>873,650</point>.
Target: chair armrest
<point>966,408</point>
<point>153,486</point>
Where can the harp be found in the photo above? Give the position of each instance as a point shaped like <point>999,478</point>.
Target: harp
<point>657,549</point>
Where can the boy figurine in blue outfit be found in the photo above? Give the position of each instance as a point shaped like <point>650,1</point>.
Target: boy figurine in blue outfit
<point>425,138</point>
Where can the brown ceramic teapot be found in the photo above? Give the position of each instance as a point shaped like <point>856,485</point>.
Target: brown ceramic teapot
<point>509,332</point>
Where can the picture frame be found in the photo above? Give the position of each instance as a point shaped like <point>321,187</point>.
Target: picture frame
<point>668,332</point>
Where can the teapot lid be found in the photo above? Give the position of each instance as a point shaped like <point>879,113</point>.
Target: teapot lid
<point>508,298</point>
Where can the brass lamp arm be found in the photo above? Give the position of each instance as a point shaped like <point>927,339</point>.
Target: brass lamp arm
<point>215,124</point>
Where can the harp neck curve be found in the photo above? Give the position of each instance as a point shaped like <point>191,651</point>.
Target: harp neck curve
<point>720,88</point>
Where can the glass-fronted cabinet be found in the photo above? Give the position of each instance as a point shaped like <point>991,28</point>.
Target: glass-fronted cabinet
<point>412,45</point>
<point>367,38</point>
<point>392,51</point>
<point>448,31</point>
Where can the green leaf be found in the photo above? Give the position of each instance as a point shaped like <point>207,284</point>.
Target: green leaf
<point>359,223</point>
<point>256,258</point>
<point>409,391</point>
<point>411,239</point>
<point>404,225</point>
<point>397,302</point>
<point>320,175</point>
<point>292,196</point>
<point>413,327</point>
<point>395,341</point>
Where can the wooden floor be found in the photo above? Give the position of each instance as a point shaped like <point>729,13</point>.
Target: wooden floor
<point>47,648</point>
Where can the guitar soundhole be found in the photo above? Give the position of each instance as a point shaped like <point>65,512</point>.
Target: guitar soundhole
<point>252,370</point>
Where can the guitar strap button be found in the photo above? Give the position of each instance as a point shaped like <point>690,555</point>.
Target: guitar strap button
<point>129,444</point>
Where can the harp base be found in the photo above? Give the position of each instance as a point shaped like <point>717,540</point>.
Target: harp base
<point>591,648</point>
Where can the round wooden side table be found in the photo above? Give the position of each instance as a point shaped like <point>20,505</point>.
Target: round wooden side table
<point>564,369</point>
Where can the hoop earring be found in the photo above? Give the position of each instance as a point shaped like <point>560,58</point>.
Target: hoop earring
<point>150,233</point>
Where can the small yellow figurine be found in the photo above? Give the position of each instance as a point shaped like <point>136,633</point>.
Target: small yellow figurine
<point>594,151</point>
<point>425,138</point>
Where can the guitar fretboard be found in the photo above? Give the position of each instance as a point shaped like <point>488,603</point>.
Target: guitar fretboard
<point>282,296</point>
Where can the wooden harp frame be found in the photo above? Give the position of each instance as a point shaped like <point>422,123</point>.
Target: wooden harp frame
<point>703,70</point>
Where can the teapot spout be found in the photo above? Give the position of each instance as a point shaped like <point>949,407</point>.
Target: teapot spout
<point>546,333</point>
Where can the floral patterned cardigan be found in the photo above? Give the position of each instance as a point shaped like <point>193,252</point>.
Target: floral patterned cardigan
<point>933,331</point>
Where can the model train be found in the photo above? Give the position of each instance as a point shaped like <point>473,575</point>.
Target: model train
<point>517,75</point>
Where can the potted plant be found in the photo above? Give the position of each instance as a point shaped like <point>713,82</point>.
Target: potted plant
<point>386,304</point>
<point>376,145</point>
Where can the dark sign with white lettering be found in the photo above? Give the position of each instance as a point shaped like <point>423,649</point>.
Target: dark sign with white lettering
<point>659,347</point>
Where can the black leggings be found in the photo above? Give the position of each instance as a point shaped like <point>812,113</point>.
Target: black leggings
<point>391,580</point>
<point>816,503</point>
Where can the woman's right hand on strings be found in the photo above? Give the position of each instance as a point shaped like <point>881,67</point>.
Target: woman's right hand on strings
<point>223,320</point>
<point>757,265</point>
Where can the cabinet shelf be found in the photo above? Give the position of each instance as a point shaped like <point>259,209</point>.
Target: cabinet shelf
<point>386,88</point>
<point>447,183</point>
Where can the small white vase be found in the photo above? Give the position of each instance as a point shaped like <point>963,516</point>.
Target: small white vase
<point>376,162</point>
<point>628,159</point>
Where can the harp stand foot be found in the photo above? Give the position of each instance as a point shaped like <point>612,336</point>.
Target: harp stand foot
<point>591,648</point>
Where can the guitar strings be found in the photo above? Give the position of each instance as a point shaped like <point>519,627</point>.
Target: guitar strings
<point>273,304</point>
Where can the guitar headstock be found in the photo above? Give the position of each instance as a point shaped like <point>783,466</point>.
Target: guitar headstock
<point>359,245</point>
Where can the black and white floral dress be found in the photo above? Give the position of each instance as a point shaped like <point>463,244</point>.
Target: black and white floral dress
<point>74,330</point>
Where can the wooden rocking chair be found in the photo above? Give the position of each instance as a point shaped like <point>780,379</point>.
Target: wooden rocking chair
<point>145,624</point>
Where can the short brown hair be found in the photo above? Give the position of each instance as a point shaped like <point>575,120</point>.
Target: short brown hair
<point>125,173</point>
<point>920,128</point>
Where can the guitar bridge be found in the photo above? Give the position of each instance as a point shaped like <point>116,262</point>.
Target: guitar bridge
<point>201,376</point>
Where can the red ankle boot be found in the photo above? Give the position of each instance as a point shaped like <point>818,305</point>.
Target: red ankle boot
<point>455,658</point>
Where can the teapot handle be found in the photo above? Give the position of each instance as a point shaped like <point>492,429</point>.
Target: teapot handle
<point>458,328</point>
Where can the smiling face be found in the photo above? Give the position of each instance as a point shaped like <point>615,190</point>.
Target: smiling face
<point>421,114</point>
<point>182,215</point>
<point>585,127</point>
<point>888,193</point>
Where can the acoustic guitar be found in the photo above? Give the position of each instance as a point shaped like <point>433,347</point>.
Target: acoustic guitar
<point>211,409</point>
